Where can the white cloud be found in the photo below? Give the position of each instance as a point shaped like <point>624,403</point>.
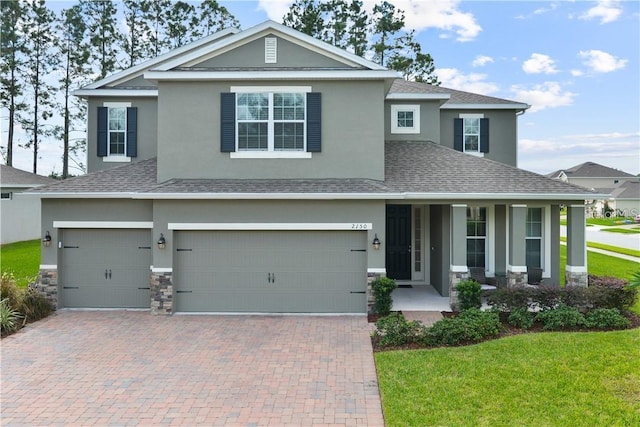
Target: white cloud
<point>606,10</point>
<point>543,96</point>
<point>481,61</point>
<point>275,9</point>
<point>539,64</point>
<point>577,73</point>
<point>601,62</point>
<point>539,11</point>
<point>441,14</point>
<point>615,149</point>
<point>473,82</point>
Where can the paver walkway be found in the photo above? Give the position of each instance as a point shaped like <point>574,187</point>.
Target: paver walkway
<point>103,368</point>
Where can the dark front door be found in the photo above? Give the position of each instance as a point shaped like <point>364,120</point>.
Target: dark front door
<point>398,246</point>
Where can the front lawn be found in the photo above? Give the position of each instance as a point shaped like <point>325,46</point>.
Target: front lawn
<point>542,379</point>
<point>22,259</point>
<point>608,222</point>
<point>602,265</point>
<point>633,230</point>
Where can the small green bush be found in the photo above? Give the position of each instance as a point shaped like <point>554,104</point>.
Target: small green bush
<point>561,318</point>
<point>509,299</point>
<point>470,325</point>
<point>10,319</point>
<point>606,318</point>
<point>382,288</point>
<point>469,294</point>
<point>395,331</point>
<point>9,291</point>
<point>521,318</point>
<point>34,305</point>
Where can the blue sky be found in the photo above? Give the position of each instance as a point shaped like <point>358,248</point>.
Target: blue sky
<point>575,62</point>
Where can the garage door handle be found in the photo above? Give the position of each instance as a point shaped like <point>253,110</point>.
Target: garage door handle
<point>184,292</point>
<point>70,287</point>
<point>269,277</point>
<point>144,289</point>
<point>106,274</point>
<point>357,292</point>
<point>109,274</point>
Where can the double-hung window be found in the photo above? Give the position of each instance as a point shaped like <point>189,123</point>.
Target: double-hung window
<point>117,131</point>
<point>471,134</point>
<point>270,122</point>
<point>534,237</point>
<point>476,236</point>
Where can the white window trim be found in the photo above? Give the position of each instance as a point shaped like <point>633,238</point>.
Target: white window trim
<point>543,238</point>
<point>397,108</point>
<point>464,148</point>
<point>116,158</point>
<point>489,246</point>
<point>270,152</point>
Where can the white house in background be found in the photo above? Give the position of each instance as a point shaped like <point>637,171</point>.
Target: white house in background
<point>623,187</point>
<point>19,216</point>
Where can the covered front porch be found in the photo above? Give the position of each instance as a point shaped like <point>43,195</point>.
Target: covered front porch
<point>428,243</point>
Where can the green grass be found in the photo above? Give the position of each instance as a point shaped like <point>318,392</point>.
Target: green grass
<point>543,379</point>
<point>616,249</point>
<point>608,222</point>
<point>634,230</point>
<point>22,259</point>
<point>601,265</point>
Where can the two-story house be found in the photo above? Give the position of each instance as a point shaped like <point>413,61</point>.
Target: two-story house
<point>266,171</point>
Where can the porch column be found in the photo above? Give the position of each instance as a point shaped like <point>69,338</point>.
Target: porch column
<point>576,271</point>
<point>458,270</point>
<point>517,267</point>
<point>555,246</point>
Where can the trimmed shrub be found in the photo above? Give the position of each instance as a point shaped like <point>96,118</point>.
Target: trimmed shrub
<point>395,331</point>
<point>471,325</point>
<point>561,318</point>
<point>606,318</point>
<point>382,288</point>
<point>469,294</point>
<point>34,305</point>
<point>521,318</point>
<point>546,297</point>
<point>509,299</point>
<point>610,292</point>
<point>576,297</point>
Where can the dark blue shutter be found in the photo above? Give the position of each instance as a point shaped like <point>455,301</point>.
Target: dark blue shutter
<point>132,131</point>
<point>227,122</point>
<point>458,134</point>
<point>314,125</point>
<point>484,135</point>
<point>103,117</point>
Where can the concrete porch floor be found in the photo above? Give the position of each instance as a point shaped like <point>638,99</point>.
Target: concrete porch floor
<point>419,298</point>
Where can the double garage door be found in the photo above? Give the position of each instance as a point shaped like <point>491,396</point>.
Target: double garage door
<point>220,271</point>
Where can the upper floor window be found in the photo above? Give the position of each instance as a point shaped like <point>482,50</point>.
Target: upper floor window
<point>270,122</point>
<point>471,133</point>
<point>117,132</point>
<point>405,119</point>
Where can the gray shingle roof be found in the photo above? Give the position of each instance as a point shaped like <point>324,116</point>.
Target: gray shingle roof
<point>457,96</point>
<point>10,177</point>
<point>431,168</point>
<point>411,167</point>
<point>628,190</point>
<point>591,170</point>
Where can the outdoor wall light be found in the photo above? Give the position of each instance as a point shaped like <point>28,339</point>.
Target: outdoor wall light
<point>162,242</point>
<point>376,242</point>
<point>46,241</point>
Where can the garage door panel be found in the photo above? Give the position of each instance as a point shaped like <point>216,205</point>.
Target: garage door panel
<point>106,268</point>
<point>271,271</point>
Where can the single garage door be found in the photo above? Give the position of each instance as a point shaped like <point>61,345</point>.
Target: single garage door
<point>106,268</point>
<point>270,271</point>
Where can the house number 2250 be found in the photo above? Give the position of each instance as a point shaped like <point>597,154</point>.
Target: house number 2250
<point>359,226</point>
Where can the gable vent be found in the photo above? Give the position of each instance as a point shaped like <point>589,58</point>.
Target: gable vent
<point>270,50</point>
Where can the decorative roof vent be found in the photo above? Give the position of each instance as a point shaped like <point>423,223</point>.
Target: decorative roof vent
<point>270,50</point>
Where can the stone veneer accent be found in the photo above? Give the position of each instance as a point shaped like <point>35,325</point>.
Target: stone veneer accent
<point>161,293</point>
<point>47,285</point>
<point>577,279</point>
<point>455,277</point>
<point>516,278</point>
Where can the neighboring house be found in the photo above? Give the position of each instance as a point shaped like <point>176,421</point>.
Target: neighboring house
<point>19,216</point>
<point>267,171</point>
<point>605,180</point>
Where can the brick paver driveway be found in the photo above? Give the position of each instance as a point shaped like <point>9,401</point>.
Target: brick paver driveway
<point>131,368</point>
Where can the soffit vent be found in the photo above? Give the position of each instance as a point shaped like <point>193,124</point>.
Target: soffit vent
<point>270,50</point>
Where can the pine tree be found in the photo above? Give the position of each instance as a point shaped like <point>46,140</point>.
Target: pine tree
<point>155,15</point>
<point>214,18</point>
<point>38,25</point>
<point>306,17</point>
<point>134,40</point>
<point>180,22</point>
<point>102,27</point>
<point>74,53</point>
<point>11,66</point>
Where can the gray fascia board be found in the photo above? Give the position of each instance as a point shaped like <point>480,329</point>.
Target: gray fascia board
<point>129,93</point>
<point>74,195</point>
<point>505,106</point>
<point>137,69</point>
<point>270,75</point>
<point>418,96</point>
<point>271,25</point>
